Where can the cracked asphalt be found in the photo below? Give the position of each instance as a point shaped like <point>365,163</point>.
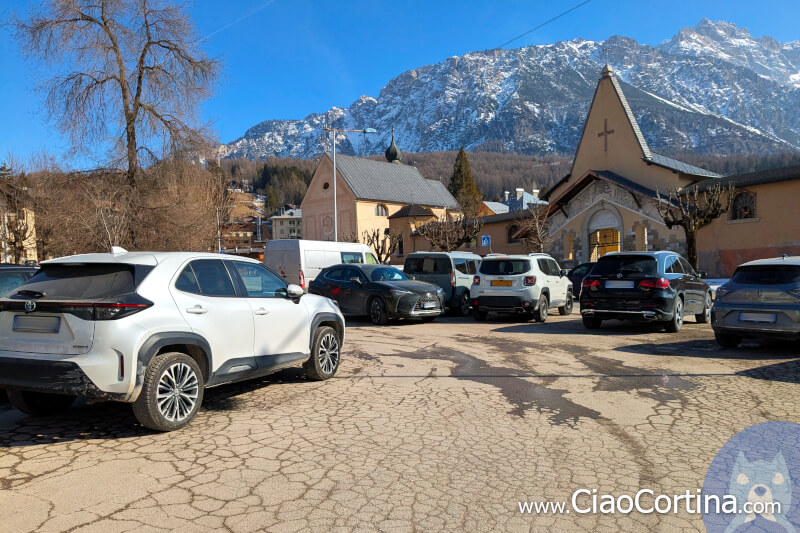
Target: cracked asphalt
<point>426,427</point>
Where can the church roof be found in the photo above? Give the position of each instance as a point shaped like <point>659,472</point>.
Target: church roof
<point>612,177</point>
<point>608,73</point>
<point>391,182</point>
<point>762,177</point>
<point>412,211</point>
<point>680,166</point>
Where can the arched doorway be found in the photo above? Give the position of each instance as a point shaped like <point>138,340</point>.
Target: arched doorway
<point>604,233</point>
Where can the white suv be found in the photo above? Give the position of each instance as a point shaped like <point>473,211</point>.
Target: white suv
<point>528,284</point>
<point>155,329</point>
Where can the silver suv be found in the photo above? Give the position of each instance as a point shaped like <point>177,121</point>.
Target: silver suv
<point>526,284</point>
<point>155,329</point>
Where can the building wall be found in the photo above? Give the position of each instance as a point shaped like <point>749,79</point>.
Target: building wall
<point>317,205</point>
<point>725,243</point>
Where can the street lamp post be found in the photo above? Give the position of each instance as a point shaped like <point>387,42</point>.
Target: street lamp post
<point>335,211</point>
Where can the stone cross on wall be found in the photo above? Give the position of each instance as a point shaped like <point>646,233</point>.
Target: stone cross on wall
<point>605,133</point>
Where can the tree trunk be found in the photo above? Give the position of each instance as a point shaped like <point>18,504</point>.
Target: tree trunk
<point>691,248</point>
<point>133,155</point>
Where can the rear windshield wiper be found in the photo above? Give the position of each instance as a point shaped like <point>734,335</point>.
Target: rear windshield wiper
<point>32,294</point>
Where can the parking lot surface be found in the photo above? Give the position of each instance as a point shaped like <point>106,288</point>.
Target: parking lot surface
<point>426,427</point>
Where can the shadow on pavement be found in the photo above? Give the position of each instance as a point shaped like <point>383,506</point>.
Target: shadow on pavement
<point>787,371</point>
<point>575,327</point>
<point>749,350</point>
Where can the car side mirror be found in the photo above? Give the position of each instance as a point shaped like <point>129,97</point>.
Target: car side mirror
<point>563,272</point>
<point>294,291</point>
<point>356,280</point>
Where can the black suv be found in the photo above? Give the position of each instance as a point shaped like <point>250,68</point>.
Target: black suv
<point>645,287</point>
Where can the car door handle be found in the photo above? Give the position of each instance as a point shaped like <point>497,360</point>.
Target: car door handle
<point>261,311</point>
<point>197,310</point>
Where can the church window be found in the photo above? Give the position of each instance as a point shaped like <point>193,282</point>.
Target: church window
<point>602,242</point>
<point>380,210</point>
<point>744,206</point>
<point>326,185</point>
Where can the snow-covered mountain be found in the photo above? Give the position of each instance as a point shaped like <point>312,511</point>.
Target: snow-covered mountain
<point>710,89</point>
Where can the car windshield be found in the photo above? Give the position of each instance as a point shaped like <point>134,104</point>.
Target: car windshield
<point>630,265</point>
<point>387,274</point>
<point>508,267</point>
<point>82,281</point>
<point>767,275</point>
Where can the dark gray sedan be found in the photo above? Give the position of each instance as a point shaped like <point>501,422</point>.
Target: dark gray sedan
<point>762,299</point>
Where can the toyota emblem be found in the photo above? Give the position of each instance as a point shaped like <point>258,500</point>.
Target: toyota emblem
<point>30,306</point>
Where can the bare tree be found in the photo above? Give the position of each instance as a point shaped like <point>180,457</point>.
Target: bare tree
<point>692,208</point>
<point>135,66</point>
<point>449,234</point>
<point>17,226</point>
<point>533,227</point>
<point>383,242</point>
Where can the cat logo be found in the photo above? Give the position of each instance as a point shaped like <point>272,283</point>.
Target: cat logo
<point>30,306</point>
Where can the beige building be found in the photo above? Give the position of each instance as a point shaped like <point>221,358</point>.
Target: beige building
<point>17,236</point>
<point>368,193</point>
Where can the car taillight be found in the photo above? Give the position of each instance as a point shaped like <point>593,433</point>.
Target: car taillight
<point>116,310</point>
<point>589,283</point>
<point>302,280</point>
<point>476,280</point>
<point>530,280</point>
<point>657,283</point>
<point>103,310</point>
<point>452,279</point>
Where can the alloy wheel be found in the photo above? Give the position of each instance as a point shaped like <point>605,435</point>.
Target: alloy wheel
<point>375,312</point>
<point>679,313</point>
<point>177,393</point>
<point>329,353</point>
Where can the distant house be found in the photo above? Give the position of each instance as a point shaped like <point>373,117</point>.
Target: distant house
<point>287,224</point>
<point>522,199</point>
<point>368,193</point>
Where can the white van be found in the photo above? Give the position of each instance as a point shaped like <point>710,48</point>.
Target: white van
<point>299,260</point>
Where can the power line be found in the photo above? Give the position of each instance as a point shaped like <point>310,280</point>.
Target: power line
<point>237,21</point>
<point>545,23</point>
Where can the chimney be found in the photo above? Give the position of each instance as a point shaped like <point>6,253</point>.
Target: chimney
<point>520,192</point>
<point>535,193</point>
<point>505,194</point>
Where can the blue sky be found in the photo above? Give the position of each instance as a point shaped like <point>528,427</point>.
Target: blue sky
<point>295,57</point>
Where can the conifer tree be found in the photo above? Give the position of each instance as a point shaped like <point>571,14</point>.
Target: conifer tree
<point>463,187</point>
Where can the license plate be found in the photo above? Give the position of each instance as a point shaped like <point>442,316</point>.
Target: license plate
<point>768,318</point>
<point>36,324</point>
<point>501,283</point>
<point>615,284</point>
<point>428,305</point>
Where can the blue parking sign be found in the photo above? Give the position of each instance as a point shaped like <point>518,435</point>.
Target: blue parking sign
<point>486,240</point>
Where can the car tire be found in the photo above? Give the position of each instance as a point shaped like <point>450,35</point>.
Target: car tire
<point>39,403</point>
<point>464,305</point>
<point>591,322</point>
<point>566,309</point>
<point>479,315</point>
<point>540,315</point>
<point>727,340</point>
<point>177,379</point>
<point>377,311</point>
<point>326,352</point>
<point>676,323</point>
<point>705,316</point>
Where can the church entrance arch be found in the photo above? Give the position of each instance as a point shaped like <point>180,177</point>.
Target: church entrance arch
<point>604,231</point>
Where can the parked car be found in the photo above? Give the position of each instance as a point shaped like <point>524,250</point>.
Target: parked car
<point>577,274</point>
<point>645,287</point>
<point>12,276</point>
<point>300,261</point>
<point>762,299</point>
<point>452,271</point>
<point>380,292</point>
<point>527,284</point>
<point>155,329</point>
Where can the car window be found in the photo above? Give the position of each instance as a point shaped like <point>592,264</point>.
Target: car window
<point>554,270</point>
<point>213,277</point>
<point>631,265</point>
<point>461,265</point>
<point>260,282</point>
<point>508,267</point>
<point>428,265</point>
<point>335,274</point>
<point>352,257</point>
<point>86,281</point>
<point>472,267</point>
<point>673,266</point>
<point>387,274</point>
<point>546,267</point>
<point>767,275</point>
<point>687,267</point>
<point>580,270</point>
<point>11,280</point>
<point>187,281</point>
<point>350,273</point>
<point>371,259</point>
